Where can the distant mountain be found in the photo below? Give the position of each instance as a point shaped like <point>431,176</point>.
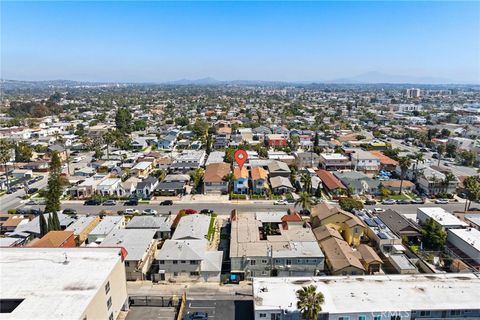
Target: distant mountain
<point>201,82</point>
<point>378,77</point>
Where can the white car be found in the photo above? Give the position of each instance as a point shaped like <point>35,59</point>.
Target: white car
<point>77,159</point>
<point>280,202</point>
<point>149,212</point>
<point>441,201</point>
<point>131,211</point>
<point>378,210</point>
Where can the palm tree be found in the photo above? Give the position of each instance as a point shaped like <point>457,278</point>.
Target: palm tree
<point>309,302</point>
<point>440,151</point>
<point>418,156</point>
<point>472,190</point>
<point>108,138</point>
<point>304,200</point>
<point>230,178</point>
<point>5,155</point>
<point>449,177</point>
<point>404,163</point>
<point>307,182</point>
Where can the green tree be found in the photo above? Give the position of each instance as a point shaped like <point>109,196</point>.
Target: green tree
<point>418,157</point>
<point>23,152</point>
<point>108,138</point>
<point>307,182</point>
<point>404,163</point>
<point>196,178</point>
<point>54,192</point>
<point>349,204</point>
<point>304,201</point>
<point>449,177</point>
<point>208,143</point>
<point>433,235</point>
<point>55,221</point>
<point>440,150</point>
<point>316,140</point>
<point>43,225</point>
<point>472,190</point>
<point>182,121</point>
<point>123,121</point>
<point>309,302</point>
<point>451,150</point>
<point>5,155</point>
<point>468,158</point>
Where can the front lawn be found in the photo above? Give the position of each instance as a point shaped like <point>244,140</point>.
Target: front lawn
<point>398,197</point>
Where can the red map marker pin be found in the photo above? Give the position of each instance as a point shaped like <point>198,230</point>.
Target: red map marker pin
<point>241,157</point>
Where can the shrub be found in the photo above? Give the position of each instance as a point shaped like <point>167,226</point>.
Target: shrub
<point>348,204</point>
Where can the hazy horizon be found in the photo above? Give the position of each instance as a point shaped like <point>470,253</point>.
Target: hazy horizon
<point>438,42</point>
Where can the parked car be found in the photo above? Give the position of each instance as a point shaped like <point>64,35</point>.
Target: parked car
<point>197,315</point>
<point>32,181</point>
<point>206,211</point>
<point>131,211</point>
<point>417,201</point>
<point>378,210</point>
<point>131,202</point>
<point>441,201</point>
<point>280,202</point>
<point>32,190</point>
<point>389,201</point>
<point>233,278</point>
<point>473,209</point>
<point>92,202</point>
<point>110,203</point>
<point>370,202</point>
<point>190,211</point>
<point>69,211</point>
<point>304,212</point>
<point>166,203</point>
<point>403,201</point>
<point>149,212</point>
<point>31,203</point>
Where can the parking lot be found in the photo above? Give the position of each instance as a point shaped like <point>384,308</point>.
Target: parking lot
<point>222,309</point>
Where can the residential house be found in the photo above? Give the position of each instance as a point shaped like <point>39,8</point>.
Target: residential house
<point>140,246</point>
<point>240,183</point>
<point>82,227</point>
<point>359,182</point>
<point>369,258</point>
<point>394,185</point>
<point>281,185</point>
<point>108,186</point>
<point>270,244</point>
<point>307,159</point>
<point>259,177</point>
<point>441,217</point>
<point>364,160</point>
<point>55,239</point>
<point>432,182</point>
<point>162,225</point>
<point>167,142</point>
<point>106,225</point>
<point>399,224</point>
<point>330,183</point>
<point>276,140</point>
<point>146,187</point>
<point>187,161</point>
<point>386,163</point>
<point>142,169</point>
<point>347,224</point>
<point>334,161</point>
<point>278,168</point>
<point>31,229</point>
<point>214,179</point>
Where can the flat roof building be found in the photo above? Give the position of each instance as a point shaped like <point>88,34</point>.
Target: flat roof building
<point>62,283</point>
<point>440,216</point>
<point>375,297</point>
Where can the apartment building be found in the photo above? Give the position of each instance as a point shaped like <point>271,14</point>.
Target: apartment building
<point>334,161</point>
<point>269,244</point>
<point>376,297</point>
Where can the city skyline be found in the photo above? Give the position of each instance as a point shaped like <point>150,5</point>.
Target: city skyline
<point>431,42</point>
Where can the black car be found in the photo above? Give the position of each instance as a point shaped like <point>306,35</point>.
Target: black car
<point>31,181</point>
<point>69,211</point>
<point>370,202</point>
<point>206,211</point>
<point>417,201</point>
<point>473,209</point>
<point>92,202</point>
<point>131,202</point>
<point>32,190</point>
<point>403,201</point>
<point>166,203</point>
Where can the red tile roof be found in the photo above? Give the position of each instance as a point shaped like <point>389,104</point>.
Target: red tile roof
<point>329,180</point>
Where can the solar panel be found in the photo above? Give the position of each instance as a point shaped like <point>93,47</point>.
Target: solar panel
<point>370,222</point>
<point>378,221</point>
<point>382,235</point>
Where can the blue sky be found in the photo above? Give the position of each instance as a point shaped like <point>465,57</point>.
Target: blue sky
<point>159,41</point>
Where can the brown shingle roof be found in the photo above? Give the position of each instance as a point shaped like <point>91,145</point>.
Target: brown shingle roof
<point>339,254</point>
<point>329,180</point>
<point>258,173</point>
<point>396,183</point>
<point>368,254</point>
<point>53,239</point>
<point>215,172</point>
<point>240,173</point>
<point>383,158</point>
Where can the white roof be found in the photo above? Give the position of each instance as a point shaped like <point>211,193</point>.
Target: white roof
<point>470,235</point>
<point>142,165</point>
<point>365,294</point>
<point>333,156</point>
<point>474,218</point>
<point>135,241</point>
<point>106,225</point>
<point>193,226</point>
<point>82,222</point>
<point>441,216</point>
<point>50,287</point>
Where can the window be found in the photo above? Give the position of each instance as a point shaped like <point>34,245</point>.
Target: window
<point>263,315</point>
<point>127,263</point>
<point>377,317</point>
<point>456,312</point>
<point>289,261</point>
<point>252,262</point>
<point>175,261</point>
<point>175,274</point>
<point>161,261</point>
<point>109,302</point>
<point>264,273</point>
<point>395,318</point>
<point>194,273</point>
<point>111,316</point>
<point>107,287</point>
<point>343,318</point>
<point>193,262</point>
<point>362,318</point>
<point>8,305</point>
<point>183,261</point>
<point>424,313</point>
<point>264,261</point>
<point>278,261</point>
